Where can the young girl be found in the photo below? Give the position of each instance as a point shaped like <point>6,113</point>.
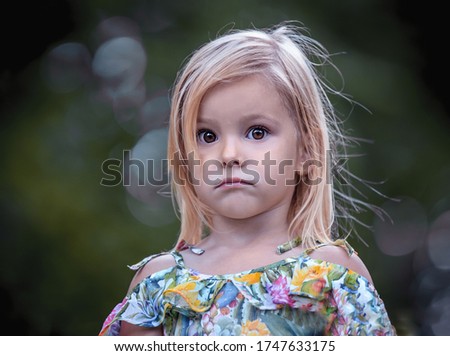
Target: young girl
<point>252,140</point>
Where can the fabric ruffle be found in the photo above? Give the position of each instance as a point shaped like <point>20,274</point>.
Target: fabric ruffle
<point>344,299</point>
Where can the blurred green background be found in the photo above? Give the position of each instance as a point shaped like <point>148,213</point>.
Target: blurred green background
<point>82,82</point>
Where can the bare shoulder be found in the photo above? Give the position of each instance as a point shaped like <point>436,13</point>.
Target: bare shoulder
<point>338,255</point>
<point>156,264</point>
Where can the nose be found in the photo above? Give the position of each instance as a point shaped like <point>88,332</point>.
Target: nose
<point>231,152</point>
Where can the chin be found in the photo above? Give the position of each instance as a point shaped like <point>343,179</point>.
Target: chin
<point>238,214</point>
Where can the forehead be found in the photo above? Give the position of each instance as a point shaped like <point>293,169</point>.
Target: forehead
<point>250,96</point>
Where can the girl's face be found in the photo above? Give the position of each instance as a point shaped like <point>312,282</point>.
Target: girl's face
<point>248,150</point>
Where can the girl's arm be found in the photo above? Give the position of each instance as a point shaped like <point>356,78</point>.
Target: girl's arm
<point>158,264</point>
<point>340,256</point>
<point>127,329</point>
<point>360,309</point>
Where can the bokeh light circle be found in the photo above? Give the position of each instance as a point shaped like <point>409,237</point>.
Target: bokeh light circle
<point>145,177</point>
<point>67,67</point>
<point>406,230</point>
<point>438,241</point>
<point>120,63</point>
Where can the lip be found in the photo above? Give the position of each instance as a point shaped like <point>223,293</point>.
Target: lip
<point>233,182</point>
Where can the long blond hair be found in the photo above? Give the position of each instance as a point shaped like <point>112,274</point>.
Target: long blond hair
<point>289,59</point>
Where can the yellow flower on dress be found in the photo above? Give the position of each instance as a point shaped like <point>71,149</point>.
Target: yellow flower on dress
<point>189,294</point>
<point>183,288</point>
<point>308,274</point>
<point>254,328</point>
<point>250,278</point>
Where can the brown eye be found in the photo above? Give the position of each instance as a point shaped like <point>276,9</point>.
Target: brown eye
<point>257,133</point>
<point>207,136</point>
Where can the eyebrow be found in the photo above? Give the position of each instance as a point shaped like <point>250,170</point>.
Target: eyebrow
<point>249,117</point>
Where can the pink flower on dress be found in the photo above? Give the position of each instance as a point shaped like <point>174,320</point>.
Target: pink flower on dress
<point>111,316</point>
<point>279,291</point>
<point>318,286</point>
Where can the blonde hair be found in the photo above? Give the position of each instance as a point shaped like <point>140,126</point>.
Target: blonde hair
<point>287,58</point>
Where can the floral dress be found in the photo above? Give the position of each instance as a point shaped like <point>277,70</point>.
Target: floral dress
<point>295,296</point>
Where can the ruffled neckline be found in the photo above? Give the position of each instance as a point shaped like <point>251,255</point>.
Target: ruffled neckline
<point>179,260</point>
<point>304,255</point>
<point>300,282</point>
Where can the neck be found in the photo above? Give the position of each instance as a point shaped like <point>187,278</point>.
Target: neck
<point>263,228</point>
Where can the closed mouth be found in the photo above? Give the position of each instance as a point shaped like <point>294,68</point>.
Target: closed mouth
<point>233,181</point>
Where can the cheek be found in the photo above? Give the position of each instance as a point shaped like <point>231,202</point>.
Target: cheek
<point>284,173</point>
<point>284,163</point>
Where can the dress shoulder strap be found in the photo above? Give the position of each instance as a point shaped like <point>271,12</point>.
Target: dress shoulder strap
<point>146,260</point>
<point>178,258</point>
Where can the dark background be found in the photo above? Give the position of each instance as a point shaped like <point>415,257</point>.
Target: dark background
<point>66,107</point>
